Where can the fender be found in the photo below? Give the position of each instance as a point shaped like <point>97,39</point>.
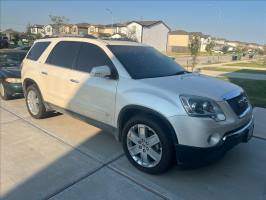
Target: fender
<point>129,108</point>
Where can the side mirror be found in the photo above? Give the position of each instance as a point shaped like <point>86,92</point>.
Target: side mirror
<point>101,71</point>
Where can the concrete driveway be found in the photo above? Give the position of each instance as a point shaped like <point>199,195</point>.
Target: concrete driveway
<point>63,158</point>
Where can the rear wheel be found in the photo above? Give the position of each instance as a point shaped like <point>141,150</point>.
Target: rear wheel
<point>146,144</point>
<point>34,102</point>
<point>3,92</point>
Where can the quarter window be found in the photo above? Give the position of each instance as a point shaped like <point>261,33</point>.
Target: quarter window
<point>91,56</point>
<point>64,54</point>
<point>37,50</point>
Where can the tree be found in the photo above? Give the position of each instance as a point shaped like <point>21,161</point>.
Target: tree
<point>16,38</point>
<point>209,47</point>
<point>131,35</point>
<point>194,48</point>
<point>58,21</point>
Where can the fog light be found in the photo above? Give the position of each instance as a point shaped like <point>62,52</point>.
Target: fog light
<point>214,139</point>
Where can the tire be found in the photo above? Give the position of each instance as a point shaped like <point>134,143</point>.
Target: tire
<point>135,150</point>
<point>39,111</point>
<point>3,93</point>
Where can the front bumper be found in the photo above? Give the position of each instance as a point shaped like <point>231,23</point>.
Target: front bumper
<point>13,88</point>
<point>187,155</point>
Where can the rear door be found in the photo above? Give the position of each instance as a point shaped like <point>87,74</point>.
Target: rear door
<point>34,66</point>
<point>93,97</point>
<point>58,70</point>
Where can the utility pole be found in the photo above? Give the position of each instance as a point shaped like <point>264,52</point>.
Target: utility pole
<point>110,11</point>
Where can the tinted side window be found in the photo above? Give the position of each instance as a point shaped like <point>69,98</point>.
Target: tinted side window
<point>91,56</point>
<point>37,50</point>
<point>64,54</point>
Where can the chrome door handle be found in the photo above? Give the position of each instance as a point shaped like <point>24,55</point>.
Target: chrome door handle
<point>44,73</point>
<point>74,81</point>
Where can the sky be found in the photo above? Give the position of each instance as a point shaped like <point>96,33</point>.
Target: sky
<point>234,20</point>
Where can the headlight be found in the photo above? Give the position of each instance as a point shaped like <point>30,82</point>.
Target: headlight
<point>13,80</point>
<point>197,106</point>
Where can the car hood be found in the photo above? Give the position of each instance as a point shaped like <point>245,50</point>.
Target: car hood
<point>10,72</point>
<point>194,84</point>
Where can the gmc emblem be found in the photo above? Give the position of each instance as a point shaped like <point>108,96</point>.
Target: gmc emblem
<point>243,101</point>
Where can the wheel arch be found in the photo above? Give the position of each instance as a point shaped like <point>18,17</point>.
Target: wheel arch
<point>132,110</point>
<point>28,82</point>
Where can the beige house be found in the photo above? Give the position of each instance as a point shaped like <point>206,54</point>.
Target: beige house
<point>79,29</point>
<point>106,30</point>
<point>65,29</point>
<point>178,41</point>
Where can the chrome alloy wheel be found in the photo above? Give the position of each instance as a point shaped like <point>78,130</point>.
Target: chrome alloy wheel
<point>144,145</point>
<point>33,102</point>
<point>2,89</point>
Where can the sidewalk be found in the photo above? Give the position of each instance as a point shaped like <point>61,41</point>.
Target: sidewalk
<point>226,63</point>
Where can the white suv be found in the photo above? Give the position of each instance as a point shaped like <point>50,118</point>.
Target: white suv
<point>160,112</point>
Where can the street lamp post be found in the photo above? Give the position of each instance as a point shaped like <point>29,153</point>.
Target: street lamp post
<point>110,11</point>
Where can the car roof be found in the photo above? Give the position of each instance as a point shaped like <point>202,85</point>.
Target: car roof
<point>84,39</point>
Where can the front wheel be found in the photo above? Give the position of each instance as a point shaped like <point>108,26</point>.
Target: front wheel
<point>146,144</point>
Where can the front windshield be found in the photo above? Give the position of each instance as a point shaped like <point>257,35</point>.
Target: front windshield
<point>11,59</point>
<point>145,62</point>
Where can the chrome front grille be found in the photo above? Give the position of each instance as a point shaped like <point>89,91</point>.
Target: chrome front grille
<point>239,104</point>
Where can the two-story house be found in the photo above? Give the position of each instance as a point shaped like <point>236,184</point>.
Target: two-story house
<point>153,33</point>
<point>37,29</point>
<point>178,41</point>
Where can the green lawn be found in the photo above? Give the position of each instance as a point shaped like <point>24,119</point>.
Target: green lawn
<point>246,64</point>
<point>232,69</point>
<point>256,89</point>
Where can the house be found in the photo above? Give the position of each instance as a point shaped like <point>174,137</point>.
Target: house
<point>65,29</point>
<point>49,30</point>
<point>80,29</point>
<point>178,41</point>
<point>93,28</point>
<point>153,33</point>
<point>108,30</point>
<point>204,40</point>
<point>120,28</point>
<point>10,34</point>
<point>219,43</point>
<point>37,29</point>
<point>233,43</point>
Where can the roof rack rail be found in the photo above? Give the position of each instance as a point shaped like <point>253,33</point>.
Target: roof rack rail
<point>70,35</point>
<point>118,39</point>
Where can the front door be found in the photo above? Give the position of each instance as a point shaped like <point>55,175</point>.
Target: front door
<point>93,97</point>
